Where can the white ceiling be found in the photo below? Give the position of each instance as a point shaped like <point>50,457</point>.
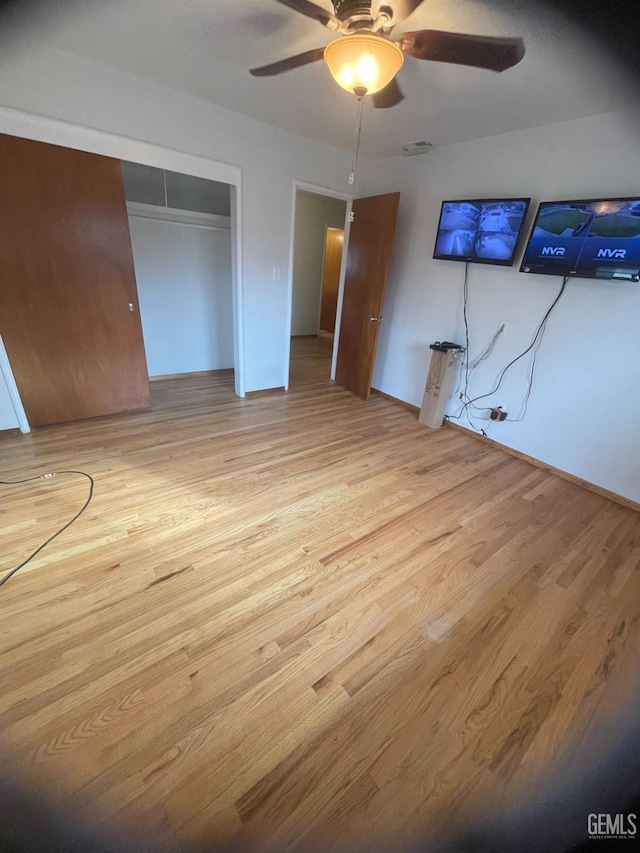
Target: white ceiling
<point>205,47</point>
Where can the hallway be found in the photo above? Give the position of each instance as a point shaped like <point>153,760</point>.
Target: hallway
<point>310,360</point>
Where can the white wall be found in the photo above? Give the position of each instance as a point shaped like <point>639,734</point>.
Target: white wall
<point>313,214</point>
<point>184,286</point>
<point>588,367</point>
<point>53,83</point>
<point>584,412</point>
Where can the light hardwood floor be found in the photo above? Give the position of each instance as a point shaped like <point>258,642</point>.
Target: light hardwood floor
<point>303,616</point>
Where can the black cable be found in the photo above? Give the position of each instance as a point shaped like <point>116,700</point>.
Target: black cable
<point>484,355</point>
<point>522,354</point>
<point>531,375</point>
<point>464,394</point>
<point>62,529</point>
<point>471,423</point>
<point>465,298</point>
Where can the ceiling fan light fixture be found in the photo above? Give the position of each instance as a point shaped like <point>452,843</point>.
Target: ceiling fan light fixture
<point>363,61</point>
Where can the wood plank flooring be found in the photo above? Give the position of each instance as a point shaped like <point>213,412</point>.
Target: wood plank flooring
<point>303,618</point>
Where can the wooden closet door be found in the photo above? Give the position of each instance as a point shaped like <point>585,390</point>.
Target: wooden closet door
<point>69,313</point>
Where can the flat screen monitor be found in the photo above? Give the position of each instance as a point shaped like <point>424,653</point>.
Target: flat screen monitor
<point>483,231</point>
<point>597,238</point>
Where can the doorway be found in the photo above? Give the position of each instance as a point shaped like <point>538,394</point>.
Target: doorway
<point>318,241</point>
<point>180,229</point>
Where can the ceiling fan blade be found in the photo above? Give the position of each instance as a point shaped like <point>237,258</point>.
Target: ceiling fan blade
<point>288,64</point>
<point>496,54</point>
<point>312,11</point>
<point>390,96</point>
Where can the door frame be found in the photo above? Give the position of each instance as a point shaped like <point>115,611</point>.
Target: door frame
<point>56,132</point>
<point>329,193</point>
<point>12,388</point>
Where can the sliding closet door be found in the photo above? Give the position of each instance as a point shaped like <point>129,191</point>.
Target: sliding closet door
<point>68,301</point>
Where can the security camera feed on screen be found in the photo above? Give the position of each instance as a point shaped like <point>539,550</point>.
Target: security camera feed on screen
<point>484,231</point>
<point>588,239</point>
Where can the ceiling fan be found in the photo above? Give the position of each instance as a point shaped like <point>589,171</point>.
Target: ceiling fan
<point>364,59</point>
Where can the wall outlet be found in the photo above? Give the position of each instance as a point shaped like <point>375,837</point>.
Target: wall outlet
<point>497,414</point>
<point>276,274</point>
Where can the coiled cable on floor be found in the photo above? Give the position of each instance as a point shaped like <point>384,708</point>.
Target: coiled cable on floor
<point>62,529</point>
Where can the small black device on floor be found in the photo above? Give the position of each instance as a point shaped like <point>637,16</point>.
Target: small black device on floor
<point>445,346</point>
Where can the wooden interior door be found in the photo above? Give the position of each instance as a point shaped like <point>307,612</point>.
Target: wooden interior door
<point>368,257</point>
<point>69,313</point>
<point>334,242</point>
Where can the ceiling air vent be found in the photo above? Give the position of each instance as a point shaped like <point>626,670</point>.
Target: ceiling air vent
<point>412,148</point>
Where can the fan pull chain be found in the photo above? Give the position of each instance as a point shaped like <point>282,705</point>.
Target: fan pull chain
<point>354,165</point>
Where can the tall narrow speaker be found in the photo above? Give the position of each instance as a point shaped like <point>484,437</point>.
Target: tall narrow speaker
<point>440,379</point>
